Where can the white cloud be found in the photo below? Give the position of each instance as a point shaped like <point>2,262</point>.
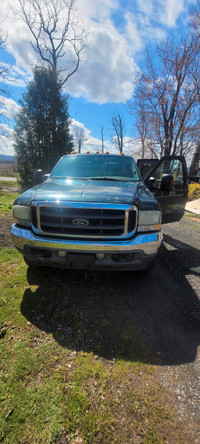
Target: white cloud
<point>6,140</point>
<point>97,10</point>
<point>8,110</point>
<point>16,76</point>
<point>132,33</point>
<point>146,7</point>
<point>108,71</point>
<point>163,12</point>
<point>171,11</point>
<point>8,107</point>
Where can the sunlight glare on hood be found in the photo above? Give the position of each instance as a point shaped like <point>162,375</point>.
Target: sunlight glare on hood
<point>68,181</point>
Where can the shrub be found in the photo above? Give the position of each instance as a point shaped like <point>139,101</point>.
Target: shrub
<point>193,191</point>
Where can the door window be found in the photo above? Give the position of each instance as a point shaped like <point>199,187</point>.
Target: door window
<point>145,166</point>
<point>170,166</point>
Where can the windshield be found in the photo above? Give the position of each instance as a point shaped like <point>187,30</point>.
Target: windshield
<point>99,166</point>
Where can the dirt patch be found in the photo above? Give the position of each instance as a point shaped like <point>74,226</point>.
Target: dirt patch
<point>197,218</point>
<point>9,189</point>
<point>5,238</point>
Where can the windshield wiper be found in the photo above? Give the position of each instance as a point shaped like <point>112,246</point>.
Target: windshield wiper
<point>104,178</point>
<point>112,179</point>
<point>70,177</point>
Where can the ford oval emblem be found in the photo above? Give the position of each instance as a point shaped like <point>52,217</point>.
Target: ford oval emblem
<point>80,222</point>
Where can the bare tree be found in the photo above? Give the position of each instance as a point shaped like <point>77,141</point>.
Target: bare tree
<point>168,95</point>
<point>148,147</point>
<point>195,160</point>
<point>142,127</point>
<point>118,127</point>
<point>79,136</point>
<point>194,22</point>
<point>56,33</point>
<point>4,76</point>
<point>3,67</point>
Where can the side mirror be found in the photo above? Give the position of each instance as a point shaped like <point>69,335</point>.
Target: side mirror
<point>38,177</point>
<point>45,177</point>
<point>150,183</point>
<point>167,183</point>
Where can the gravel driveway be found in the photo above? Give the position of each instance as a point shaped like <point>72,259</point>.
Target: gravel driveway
<point>181,374</point>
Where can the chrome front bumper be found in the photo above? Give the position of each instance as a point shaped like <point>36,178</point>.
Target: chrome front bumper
<point>145,246</point>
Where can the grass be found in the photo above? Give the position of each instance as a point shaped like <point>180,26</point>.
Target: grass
<point>49,390</point>
<point>192,215</point>
<point>6,201</point>
<point>8,183</point>
<point>69,368</point>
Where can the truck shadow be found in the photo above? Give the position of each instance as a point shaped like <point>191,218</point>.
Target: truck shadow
<point>151,317</point>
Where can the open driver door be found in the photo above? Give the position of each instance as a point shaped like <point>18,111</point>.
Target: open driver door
<point>167,180</point>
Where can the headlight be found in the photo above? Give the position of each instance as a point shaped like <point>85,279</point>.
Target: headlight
<point>21,215</point>
<point>149,220</point>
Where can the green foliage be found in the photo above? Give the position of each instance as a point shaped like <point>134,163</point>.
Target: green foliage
<point>42,126</point>
<point>193,191</point>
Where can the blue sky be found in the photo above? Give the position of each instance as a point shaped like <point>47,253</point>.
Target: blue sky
<point>117,33</point>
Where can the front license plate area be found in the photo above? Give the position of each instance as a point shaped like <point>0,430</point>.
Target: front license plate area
<point>78,261</point>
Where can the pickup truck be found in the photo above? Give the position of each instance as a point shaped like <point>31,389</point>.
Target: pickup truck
<point>100,211</point>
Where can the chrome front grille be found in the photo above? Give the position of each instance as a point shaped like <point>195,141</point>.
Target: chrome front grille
<point>83,220</point>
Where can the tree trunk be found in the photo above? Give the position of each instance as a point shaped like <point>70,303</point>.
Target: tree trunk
<point>195,160</point>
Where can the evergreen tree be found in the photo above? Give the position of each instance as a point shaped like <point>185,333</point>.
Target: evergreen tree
<point>42,126</point>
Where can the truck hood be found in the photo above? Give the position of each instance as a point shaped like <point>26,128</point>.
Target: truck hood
<point>70,190</point>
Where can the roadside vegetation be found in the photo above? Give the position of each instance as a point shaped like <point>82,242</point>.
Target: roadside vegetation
<point>193,191</point>
<point>8,170</point>
<point>70,370</point>
<point>8,183</point>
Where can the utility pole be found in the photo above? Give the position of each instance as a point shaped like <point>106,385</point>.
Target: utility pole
<point>102,140</point>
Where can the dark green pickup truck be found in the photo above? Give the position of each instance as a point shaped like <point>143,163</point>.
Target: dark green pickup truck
<point>96,211</point>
